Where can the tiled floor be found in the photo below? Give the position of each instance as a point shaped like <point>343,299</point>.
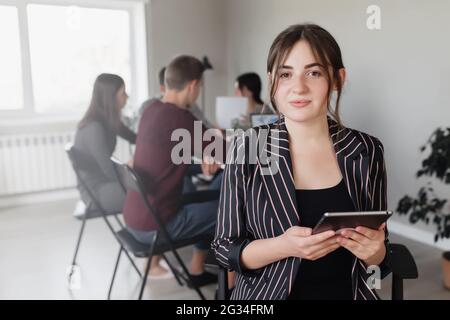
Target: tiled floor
<point>37,243</point>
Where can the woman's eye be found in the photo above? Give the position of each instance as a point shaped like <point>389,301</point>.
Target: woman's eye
<point>284,75</point>
<point>314,73</point>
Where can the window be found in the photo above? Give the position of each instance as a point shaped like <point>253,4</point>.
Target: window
<point>11,94</point>
<point>69,47</point>
<point>66,45</point>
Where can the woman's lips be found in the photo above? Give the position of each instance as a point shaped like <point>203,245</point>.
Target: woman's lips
<point>299,103</point>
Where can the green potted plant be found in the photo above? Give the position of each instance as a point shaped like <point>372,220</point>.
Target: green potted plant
<point>427,206</point>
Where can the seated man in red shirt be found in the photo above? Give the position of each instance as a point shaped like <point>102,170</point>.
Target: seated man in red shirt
<point>163,175</point>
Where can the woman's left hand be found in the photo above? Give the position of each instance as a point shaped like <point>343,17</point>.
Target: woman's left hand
<point>366,244</point>
<point>209,166</point>
<point>130,163</point>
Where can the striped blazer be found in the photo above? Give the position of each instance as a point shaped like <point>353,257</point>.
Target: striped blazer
<point>256,205</point>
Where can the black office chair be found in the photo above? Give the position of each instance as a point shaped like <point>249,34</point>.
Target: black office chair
<point>162,242</point>
<point>93,210</point>
<point>403,267</point>
<point>402,264</point>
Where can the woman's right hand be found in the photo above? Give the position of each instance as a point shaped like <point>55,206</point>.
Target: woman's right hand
<point>130,163</point>
<point>299,242</point>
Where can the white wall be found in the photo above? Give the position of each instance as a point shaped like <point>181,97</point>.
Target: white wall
<point>398,77</point>
<point>195,27</point>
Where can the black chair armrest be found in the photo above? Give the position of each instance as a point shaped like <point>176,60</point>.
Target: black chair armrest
<point>223,293</point>
<point>199,196</point>
<point>402,262</point>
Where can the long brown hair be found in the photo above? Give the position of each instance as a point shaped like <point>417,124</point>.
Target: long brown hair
<point>103,106</point>
<point>325,49</point>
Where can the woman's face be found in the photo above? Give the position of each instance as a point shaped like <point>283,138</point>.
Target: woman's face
<point>244,92</point>
<point>237,90</point>
<point>302,85</point>
<point>121,97</point>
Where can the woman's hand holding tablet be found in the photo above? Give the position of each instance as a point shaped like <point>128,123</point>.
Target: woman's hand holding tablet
<point>338,221</point>
<point>362,233</point>
<point>301,243</point>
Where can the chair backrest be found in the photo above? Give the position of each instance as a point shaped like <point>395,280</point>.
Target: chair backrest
<point>129,179</point>
<point>403,266</point>
<point>78,164</point>
<point>71,153</point>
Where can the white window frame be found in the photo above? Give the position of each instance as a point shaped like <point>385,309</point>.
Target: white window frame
<point>138,53</point>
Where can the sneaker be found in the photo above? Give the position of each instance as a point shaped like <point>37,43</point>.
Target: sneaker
<point>164,264</point>
<point>80,210</point>
<point>163,276</point>
<point>203,279</point>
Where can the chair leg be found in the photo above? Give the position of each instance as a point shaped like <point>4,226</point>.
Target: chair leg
<point>185,270</point>
<point>397,288</point>
<point>118,221</point>
<point>174,271</point>
<point>80,235</point>
<point>132,263</point>
<point>73,267</point>
<point>144,279</point>
<point>114,233</point>
<point>222,284</point>
<point>147,267</point>
<point>114,274</point>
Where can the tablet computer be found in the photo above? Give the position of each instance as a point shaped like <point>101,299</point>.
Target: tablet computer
<point>259,119</point>
<point>339,221</point>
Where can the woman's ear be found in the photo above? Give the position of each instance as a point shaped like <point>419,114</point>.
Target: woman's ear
<point>342,73</point>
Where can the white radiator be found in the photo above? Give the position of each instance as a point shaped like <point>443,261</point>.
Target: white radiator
<point>38,162</point>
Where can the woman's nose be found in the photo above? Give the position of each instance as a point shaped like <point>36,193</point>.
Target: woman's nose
<point>299,84</point>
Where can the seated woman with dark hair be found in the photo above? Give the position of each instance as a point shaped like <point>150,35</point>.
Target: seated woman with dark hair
<point>96,139</point>
<point>249,85</point>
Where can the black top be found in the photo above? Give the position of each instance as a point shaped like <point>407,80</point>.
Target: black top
<point>328,278</point>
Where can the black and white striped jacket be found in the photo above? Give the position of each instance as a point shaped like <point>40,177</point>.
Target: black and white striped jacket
<point>254,206</point>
